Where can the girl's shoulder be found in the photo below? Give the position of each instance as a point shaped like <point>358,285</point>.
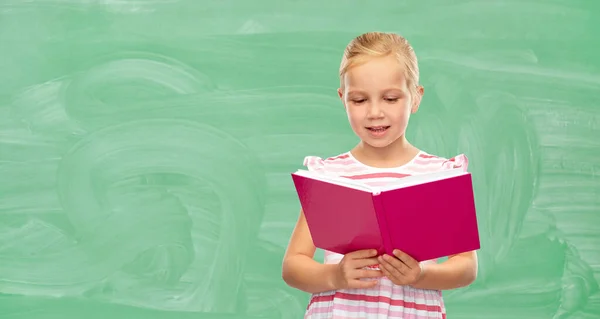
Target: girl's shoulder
<point>435,162</point>
<point>324,165</point>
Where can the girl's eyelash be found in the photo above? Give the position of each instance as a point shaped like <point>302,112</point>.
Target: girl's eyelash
<point>390,99</point>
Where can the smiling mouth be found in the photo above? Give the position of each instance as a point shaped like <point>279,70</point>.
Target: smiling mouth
<point>377,129</point>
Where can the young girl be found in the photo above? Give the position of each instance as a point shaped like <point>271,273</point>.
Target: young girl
<point>379,88</point>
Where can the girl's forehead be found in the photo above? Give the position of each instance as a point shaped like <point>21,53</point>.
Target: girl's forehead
<point>377,69</point>
<point>370,80</point>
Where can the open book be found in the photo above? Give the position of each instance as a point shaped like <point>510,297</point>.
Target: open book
<point>427,216</point>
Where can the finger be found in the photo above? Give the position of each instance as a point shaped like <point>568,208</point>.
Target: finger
<point>388,274</point>
<point>391,270</point>
<point>385,270</point>
<point>394,262</point>
<point>406,259</point>
<point>396,270</point>
<point>365,253</point>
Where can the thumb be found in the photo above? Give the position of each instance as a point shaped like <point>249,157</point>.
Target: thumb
<point>366,253</point>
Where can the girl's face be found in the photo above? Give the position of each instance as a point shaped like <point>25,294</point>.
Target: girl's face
<point>378,101</point>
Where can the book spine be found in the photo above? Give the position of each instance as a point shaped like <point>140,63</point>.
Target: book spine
<point>383,228</point>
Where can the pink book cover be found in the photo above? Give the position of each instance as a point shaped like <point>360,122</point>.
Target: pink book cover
<point>427,216</point>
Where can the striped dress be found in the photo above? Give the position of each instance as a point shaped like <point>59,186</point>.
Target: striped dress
<point>386,300</point>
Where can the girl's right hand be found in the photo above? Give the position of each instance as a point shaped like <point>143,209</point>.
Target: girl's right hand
<point>350,272</point>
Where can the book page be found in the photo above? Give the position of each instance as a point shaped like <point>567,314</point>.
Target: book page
<point>335,180</point>
<point>423,178</point>
<point>400,183</point>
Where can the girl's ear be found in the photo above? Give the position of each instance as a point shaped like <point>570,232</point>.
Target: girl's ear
<point>417,99</point>
<point>341,95</point>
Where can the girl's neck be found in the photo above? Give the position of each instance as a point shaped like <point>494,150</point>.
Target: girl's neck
<point>399,153</point>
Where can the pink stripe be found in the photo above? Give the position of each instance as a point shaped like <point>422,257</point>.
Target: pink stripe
<point>343,156</point>
<point>320,308</point>
<point>375,299</point>
<point>342,162</point>
<point>377,175</point>
<point>428,161</point>
<point>345,169</point>
<point>424,169</point>
<point>424,155</point>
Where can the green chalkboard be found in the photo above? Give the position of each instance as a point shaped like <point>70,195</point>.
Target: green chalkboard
<point>146,146</point>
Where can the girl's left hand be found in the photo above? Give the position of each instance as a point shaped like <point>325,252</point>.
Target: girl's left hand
<point>401,269</point>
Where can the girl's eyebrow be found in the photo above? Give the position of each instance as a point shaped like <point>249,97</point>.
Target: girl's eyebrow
<point>389,89</point>
<point>350,92</point>
<point>393,89</point>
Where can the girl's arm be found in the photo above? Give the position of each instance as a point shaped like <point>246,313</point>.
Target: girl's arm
<point>299,269</point>
<point>458,271</point>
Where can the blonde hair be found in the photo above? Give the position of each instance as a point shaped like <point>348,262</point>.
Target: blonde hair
<point>379,44</point>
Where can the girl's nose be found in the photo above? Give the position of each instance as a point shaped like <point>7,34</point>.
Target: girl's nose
<point>374,111</point>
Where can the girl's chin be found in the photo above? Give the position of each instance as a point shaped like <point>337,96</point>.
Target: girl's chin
<point>378,143</point>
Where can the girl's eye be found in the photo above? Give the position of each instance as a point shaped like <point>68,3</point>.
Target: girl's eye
<point>359,101</point>
<point>391,99</point>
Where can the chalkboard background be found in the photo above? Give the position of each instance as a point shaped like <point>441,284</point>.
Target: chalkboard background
<point>146,146</point>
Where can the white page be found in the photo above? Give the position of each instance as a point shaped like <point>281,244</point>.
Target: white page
<point>335,180</point>
<point>400,183</point>
<point>423,178</point>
